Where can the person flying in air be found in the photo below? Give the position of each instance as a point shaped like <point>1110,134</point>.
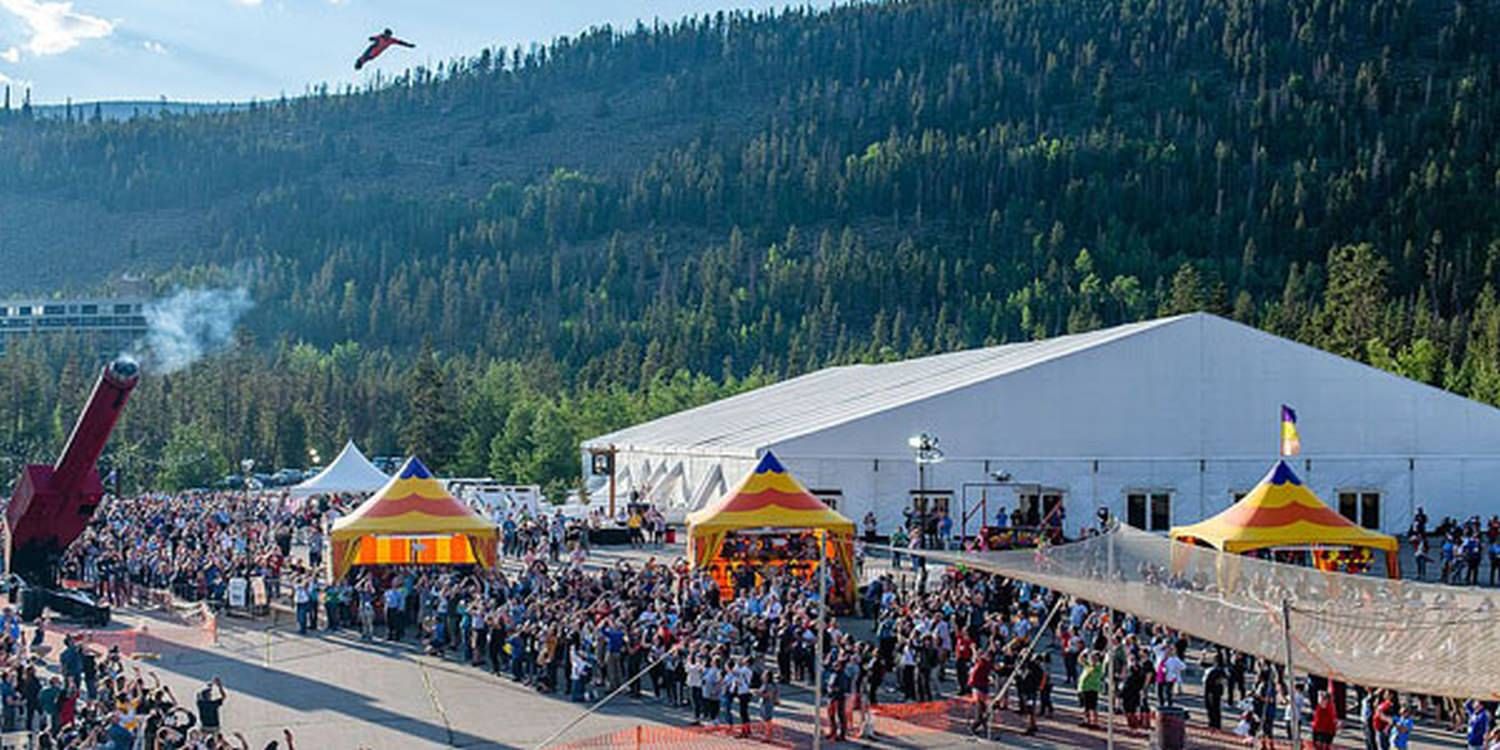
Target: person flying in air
<point>378,44</point>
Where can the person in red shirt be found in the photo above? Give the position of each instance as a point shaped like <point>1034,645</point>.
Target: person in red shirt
<point>1325,722</point>
<point>963,656</point>
<point>1383,718</point>
<point>979,683</point>
<point>378,44</point>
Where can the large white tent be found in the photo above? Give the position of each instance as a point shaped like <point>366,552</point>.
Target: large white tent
<point>1164,422</point>
<point>351,473</point>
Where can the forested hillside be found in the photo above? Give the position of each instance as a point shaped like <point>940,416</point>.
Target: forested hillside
<point>622,223</point>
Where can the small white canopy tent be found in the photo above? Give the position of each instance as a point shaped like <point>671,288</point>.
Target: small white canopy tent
<point>351,473</point>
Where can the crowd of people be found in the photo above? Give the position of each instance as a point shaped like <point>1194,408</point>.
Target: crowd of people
<point>191,544</point>
<point>556,620</point>
<point>582,632</point>
<point>77,696</point>
<point>1462,548</point>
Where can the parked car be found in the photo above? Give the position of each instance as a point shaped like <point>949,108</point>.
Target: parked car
<point>387,464</point>
<point>287,477</point>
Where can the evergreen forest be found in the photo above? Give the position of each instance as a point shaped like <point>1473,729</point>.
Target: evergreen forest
<point>487,261</point>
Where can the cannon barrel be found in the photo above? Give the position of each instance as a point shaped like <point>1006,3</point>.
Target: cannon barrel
<point>51,505</point>
<point>95,423</point>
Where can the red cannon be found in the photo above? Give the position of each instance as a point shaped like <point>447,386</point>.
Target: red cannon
<point>51,505</point>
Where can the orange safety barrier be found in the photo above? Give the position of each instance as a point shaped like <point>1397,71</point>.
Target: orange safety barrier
<point>1064,729</point>
<point>200,630</point>
<point>643,736</point>
<point>897,719</point>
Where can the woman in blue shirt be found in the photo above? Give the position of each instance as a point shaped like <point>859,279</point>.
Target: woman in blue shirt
<point>1401,729</point>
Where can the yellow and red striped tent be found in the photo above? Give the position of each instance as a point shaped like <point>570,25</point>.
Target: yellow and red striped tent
<point>411,520</point>
<point>1281,512</point>
<point>770,499</point>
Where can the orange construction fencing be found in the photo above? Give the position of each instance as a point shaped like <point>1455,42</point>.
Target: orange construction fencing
<point>196,627</point>
<point>652,737</point>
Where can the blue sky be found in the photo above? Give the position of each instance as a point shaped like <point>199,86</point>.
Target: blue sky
<point>235,50</point>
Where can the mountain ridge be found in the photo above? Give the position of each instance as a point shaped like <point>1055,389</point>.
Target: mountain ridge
<point>664,215</point>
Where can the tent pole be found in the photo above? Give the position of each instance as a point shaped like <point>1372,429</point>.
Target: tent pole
<point>1109,670</point>
<point>1294,711</point>
<point>817,738</point>
<point>612,458</point>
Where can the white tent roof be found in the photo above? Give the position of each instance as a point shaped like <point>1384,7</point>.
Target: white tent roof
<point>1178,386</point>
<point>749,422</point>
<point>350,473</point>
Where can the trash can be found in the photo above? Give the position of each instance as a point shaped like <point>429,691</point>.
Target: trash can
<point>1171,729</point>
<point>671,535</point>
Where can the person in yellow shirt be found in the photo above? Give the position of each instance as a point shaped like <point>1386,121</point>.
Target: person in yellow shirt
<point>634,524</point>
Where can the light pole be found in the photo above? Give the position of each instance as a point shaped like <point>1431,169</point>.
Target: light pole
<point>246,467</point>
<point>924,448</point>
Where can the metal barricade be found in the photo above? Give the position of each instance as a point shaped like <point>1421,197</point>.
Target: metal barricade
<point>17,741</point>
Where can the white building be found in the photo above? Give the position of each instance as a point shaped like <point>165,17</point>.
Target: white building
<point>1165,422</point>
<point>111,324</point>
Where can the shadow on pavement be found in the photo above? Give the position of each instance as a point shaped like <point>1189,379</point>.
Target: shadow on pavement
<point>281,687</point>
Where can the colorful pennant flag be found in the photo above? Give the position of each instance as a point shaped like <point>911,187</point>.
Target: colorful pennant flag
<point>1291,442</point>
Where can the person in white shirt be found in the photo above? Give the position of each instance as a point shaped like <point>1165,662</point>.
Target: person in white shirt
<point>773,608</point>
<point>579,674</point>
<point>694,674</point>
<point>713,690</point>
<point>743,676</point>
<point>1172,669</point>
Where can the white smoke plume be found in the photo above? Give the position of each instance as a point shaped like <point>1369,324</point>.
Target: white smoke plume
<point>190,325</point>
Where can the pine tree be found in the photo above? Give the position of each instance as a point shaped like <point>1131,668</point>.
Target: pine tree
<point>429,429</point>
<point>1354,298</point>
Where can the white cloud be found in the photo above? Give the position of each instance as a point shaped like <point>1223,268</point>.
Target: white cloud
<point>154,47</point>
<point>54,26</point>
<point>11,55</point>
<point>248,2</point>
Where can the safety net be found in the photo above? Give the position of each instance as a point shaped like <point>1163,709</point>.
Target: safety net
<point>1415,637</point>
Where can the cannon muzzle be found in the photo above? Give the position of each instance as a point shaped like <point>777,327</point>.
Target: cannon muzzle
<point>124,372</point>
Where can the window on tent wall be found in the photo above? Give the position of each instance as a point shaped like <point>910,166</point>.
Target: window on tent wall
<point>933,502</point>
<point>1037,507</point>
<point>1361,506</point>
<point>1149,510</point>
<point>831,498</point>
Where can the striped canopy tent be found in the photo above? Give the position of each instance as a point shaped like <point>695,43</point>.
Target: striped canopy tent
<point>411,520</point>
<point>771,500</point>
<point>1282,513</point>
